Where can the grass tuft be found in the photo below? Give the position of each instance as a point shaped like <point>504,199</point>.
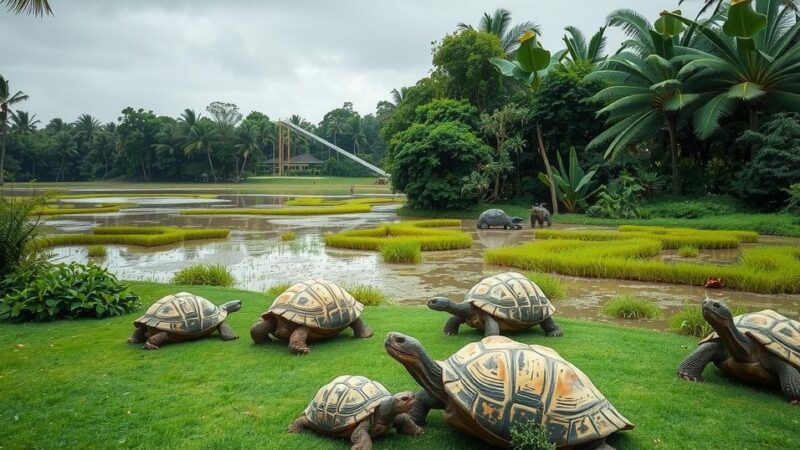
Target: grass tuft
<point>277,289</point>
<point>551,286</point>
<point>629,307</point>
<point>204,275</point>
<point>688,251</point>
<point>689,320</point>
<point>368,295</point>
<point>402,251</point>
<point>288,236</point>
<point>97,251</point>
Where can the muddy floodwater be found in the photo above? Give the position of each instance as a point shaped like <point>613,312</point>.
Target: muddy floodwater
<point>257,257</point>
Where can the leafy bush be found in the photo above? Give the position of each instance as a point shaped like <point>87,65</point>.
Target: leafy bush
<point>530,436</point>
<point>204,274</point>
<point>628,307</point>
<point>620,200</point>
<point>711,205</point>
<point>551,286</point>
<point>402,251</point>
<point>368,295</point>
<point>688,251</point>
<point>574,186</point>
<point>17,232</point>
<point>42,291</point>
<point>97,251</point>
<point>288,236</point>
<point>277,289</point>
<point>689,320</point>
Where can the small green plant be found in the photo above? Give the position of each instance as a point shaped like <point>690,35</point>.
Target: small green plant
<point>277,289</point>
<point>530,436</point>
<point>689,320</point>
<point>368,295</point>
<point>551,286</point>
<point>41,291</point>
<point>97,251</point>
<point>17,233</point>
<point>402,251</point>
<point>288,236</point>
<point>205,275</point>
<point>688,251</point>
<point>629,307</point>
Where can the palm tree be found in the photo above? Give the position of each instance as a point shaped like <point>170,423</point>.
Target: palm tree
<point>355,129</point>
<point>23,123</point>
<point>201,137</point>
<point>6,99</point>
<point>35,7</point>
<point>65,147</point>
<point>644,96</point>
<point>86,127</point>
<point>499,24</point>
<point>106,143</point>
<point>578,50</point>
<point>398,96</point>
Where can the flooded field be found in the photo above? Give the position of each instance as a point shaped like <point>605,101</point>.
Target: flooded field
<point>258,258</point>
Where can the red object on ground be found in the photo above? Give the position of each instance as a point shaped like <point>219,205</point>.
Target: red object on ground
<point>714,283</point>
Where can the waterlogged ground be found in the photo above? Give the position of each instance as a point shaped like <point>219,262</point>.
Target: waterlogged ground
<point>258,258</point>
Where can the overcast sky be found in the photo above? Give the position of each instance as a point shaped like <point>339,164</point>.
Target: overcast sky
<point>280,57</point>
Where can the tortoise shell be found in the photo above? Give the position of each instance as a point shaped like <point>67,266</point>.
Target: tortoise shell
<point>344,402</point>
<point>183,314</point>
<point>498,382</point>
<point>317,303</point>
<point>511,297</point>
<point>777,333</point>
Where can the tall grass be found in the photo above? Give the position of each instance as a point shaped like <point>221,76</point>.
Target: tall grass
<point>204,275</point>
<point>669,238</point>
<point>97,251</point>
<point>402,251</point>
<point>277,289</point>
<point>688,251</point>
<point>551,286</point>
<point>310,211</point>
<point>17,231</point>
<point>131,235</point>
<point>689,320</point>
<point>629,307</point>
<point>368,295</point>
<point>288,236</point>
<point>424,232</point>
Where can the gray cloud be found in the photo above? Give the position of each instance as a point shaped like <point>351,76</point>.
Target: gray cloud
<point>278,57</point>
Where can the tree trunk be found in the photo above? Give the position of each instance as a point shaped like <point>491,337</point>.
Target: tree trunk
<point>548,169</point>
<point>210,164</point>
<point>241,172</point>
<point>673,150</point>
<point>144,167</point>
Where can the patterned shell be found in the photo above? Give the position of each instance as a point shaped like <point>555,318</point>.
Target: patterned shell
<point>513,297</point>
<point>183,314</point>
<point>344,402</point>
<point>499,382</point>
<point>317,303</point>
<point>778,334</point>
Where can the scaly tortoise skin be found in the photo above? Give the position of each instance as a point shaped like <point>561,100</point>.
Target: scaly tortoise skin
<point>358,408</point>
<point>311,310</point>
<point>503,302</point>
<point>488,386</point>
<point>182,317</point>
<point>760,347</point>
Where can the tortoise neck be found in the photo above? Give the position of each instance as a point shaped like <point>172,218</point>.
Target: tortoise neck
<point>386,411</point>
<point>428,374</point>
<point>461,310</point>
<point>737,343</point>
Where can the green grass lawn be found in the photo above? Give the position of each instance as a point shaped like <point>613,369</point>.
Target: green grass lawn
<point>77,384</point>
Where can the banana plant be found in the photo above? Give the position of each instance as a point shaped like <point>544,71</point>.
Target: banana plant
<point>573,186</point>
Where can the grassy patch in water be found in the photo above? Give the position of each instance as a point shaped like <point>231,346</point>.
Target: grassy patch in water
<point>425,232</point>
<point>63,210</point>
<point>308,211</point>
<point>689,320</point>
<point>132,235</point>
<point>404,251</point>
<point>96,251</point>
<point>670,238</point>
<point>319,201</point>
<point>774,269</point>
<point>204,275</point>
<point>688,251</point>
<point>551,286</point>
<point>77,384</point>
<point>277,289</point>
<point>629,307</point>
<point>368,295</point>
<point>288,236</point>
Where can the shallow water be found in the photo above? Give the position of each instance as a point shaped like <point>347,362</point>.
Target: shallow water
<point>258,258</point>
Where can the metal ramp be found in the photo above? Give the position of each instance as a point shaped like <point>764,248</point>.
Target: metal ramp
<point>341,151</point>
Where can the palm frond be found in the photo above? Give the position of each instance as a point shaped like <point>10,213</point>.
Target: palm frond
<point>36,7</point>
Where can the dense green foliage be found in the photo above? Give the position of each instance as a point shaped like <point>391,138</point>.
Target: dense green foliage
<point>42,291</point>
<point>204,275</point>
<point>17,232</point>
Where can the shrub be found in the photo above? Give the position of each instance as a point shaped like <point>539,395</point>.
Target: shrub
<point>42,291</point>
<point>620,200</point>
<point>17,232</point>
<point>711,205</point>
<point>401,251</point>
<point>551,286</point>
<point>628,307</point>
<point>204,274</point>
<point>368,295</point>
<point>689,320</point>
<point>96,251</point>
<point>288,236</point>
<point>530,436</point>
<point>688,251</point>
<point>277,289</point>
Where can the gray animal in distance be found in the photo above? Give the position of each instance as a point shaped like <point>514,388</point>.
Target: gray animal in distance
<point>498,218</point>
<point>540,215</point>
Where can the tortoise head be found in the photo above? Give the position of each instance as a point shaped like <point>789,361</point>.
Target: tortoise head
<point>405,349</point>
<point>412,355</point>
<point>716,313</point>
<point>404,401</point>
<point>232,306</point>
<point>440,303</point>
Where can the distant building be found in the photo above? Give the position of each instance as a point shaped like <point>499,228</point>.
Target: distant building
<point>305,163</point>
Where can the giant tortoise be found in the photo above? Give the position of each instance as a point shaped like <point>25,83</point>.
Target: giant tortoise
<point>498,218</point>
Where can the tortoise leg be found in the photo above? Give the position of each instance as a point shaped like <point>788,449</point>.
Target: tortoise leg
<point>226,332</point>
<point>419,412</point>
<point>360,438</point>
<point>452,324</point>
<point>789,378</point>
<point>297,341</point>
<point>138,336</point>
<point>300,424</point>
<point>360,330</point>
<point>551,328</point>
<point>157,340</point>
<point>691,369</point>
<point>491,327</point>
<point>599,445</point>
<point>260,330</point>
<point>405,425</point>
